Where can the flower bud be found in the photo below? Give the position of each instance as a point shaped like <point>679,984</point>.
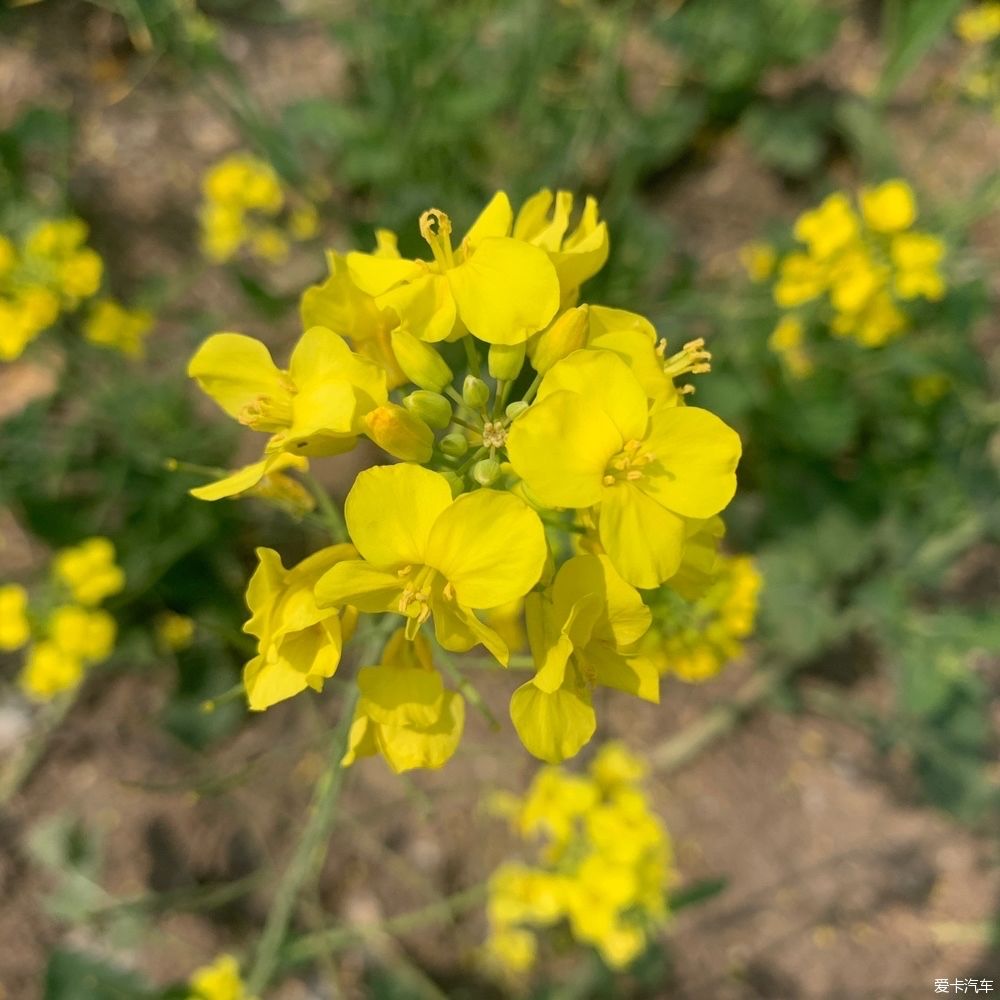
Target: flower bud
<point>515,409</point>
<point>486,471</point>
<point>420,362</point>
<point>475,392</point>
<point>431,407</point>
<point>400,433</point>
<point>454,445</point>
<point>455,481</point>
<point>506,360</point>
<point>566,335</point>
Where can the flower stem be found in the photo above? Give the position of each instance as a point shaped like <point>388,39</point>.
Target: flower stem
<point>310,851</point>
<point>332,517</point>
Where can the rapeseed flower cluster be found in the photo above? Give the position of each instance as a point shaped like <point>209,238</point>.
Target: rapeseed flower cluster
<point>246,209</point>
<point>520,418</point>
<point>62,627</point>
<point>603,870</point>
<point>48,275</point>
<point>219,981</point>
<point>979,75</point>
<point>695,639</point>
<point>856,270</point>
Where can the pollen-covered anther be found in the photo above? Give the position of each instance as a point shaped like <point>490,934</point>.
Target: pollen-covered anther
<point>266,413</point>
<point>494,434</point>
<point>691,359</point>
<point>628,464</point>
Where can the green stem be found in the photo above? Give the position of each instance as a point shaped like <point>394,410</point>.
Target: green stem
<point>332,517</point>
<point>468,689</point>
<point>310,851</point>
<point>532,389</point>
<point>335,938</point>
<point>472,354</point>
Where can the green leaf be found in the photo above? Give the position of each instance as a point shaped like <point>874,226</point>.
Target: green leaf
<point>73,975</point>
<point>911,29</point>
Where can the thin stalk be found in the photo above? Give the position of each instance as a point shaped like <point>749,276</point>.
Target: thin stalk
<point>310,851</point>
<point>331,515</point>
<point>443,911</point>
<point>468,689</point>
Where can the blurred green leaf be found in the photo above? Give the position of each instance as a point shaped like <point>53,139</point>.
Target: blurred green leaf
<point>911,29</point>
<point>73,975</point>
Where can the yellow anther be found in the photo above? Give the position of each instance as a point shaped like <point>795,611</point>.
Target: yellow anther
<point>608,480</point>
<point>435,227</point>
<point>449,592</point>
<point>494,434</point>
<point>266,413</point>
<point>405,571</point>
<point>633,474</point>
<point>692,359</point>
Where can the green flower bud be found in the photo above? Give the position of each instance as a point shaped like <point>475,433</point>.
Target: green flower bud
<point>454,445</point>
<point>475,392</point>
<point>420,362</point>
<point>506,360</point>
<point>515,409</point>
<point>486,472</point>
<point>431,407</point>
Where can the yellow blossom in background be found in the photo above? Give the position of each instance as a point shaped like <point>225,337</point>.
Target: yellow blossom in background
<point>174,631</point>
<point>243,209</point>
<point>696,640</point>
<point>979,23</point>
<point>859,267</point>
<point>426,555</point>
<point>47,275</point>
<point>298,643</point>
<point>604,866</point>
<point>111,324</point>
<point>89,571</point>
<point>787,341</point>
<point>219,981</point>
<point>404,712</point>
<point>49,671</point>
<point>88,636</point>
<point>15,629</point>
<point>758,260</point>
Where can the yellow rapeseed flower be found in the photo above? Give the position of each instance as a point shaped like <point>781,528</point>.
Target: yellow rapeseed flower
<point>298,643</point>
<point>174,631</point>
<point>89,571</point>
<point>758,260</point>
<point>404,712</point>
<point>500,289</point>
<point>15,629</point>
<point>890,207</point>
<point>49,671</point>
<point>88,636</point>
<point>979,23</point>
<point>111,324</point>
<point>425,554</point>
<point>219,981</point>
<point>591,440</point>
<point>582,633</point>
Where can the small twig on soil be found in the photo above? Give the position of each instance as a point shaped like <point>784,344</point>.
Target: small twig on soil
<point>441,912</point>
<point>720,720</point>
<point>33,749</point>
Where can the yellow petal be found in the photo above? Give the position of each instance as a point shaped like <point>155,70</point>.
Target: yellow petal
<point>235,370</point>
<point>362,586</point>
<point>401,433</point>
<point>390,512</point>
<point>560,447</point>
<point>606,383</point>
<point>632,674</point>
<point>505,291</point>
<point>558,636</point>
<point>425,307</point>
<point>361,740</point>
<point>642,539</point>
<point>552,726</point>
<point>494,220</point>
<point>638,352</point>
<point>490,546</point>
<point>696,455</point>
<point>457,629</point>
<point>406,749</point>
<point>375,274</point>
<point>397,696</point>
<point>624,618</point>
<point>263,590</point>
<point>237,482</point>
